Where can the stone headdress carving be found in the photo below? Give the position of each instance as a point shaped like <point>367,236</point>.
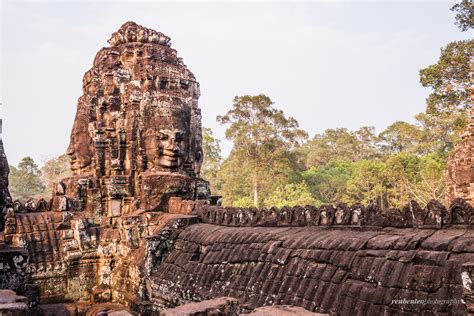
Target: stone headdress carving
<point>138,115</point>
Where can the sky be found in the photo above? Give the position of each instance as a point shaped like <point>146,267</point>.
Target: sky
<point>328,64</point>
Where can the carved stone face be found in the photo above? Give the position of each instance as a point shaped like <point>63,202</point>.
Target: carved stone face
<point>170,144</point>
<point>79,150</point>
<point>131,33</point>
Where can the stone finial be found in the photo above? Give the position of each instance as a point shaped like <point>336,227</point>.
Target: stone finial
<point>460,212</point>
<point>326,215</point>
<point>131,32</point>
<point>435,213</point>
<point>415,212</point>
<point>342,215</point>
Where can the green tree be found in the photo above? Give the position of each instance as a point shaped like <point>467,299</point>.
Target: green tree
<point>328,183</point>
<point>212,159</point>
<point>54,170</point>
<point>415,177</point>
<point>400,137</point>
<point>236,182</point>
<point>464,14</point>
<point>440,131</point>
<point>447,105</point>
<point>368,143</point>
<point>25,180</point>
<point>369,183</point>
<point>291,194</point>
<point>429,181</point>
<point>341,143</point>
<point>263,138</point>
<point>449,78</point>
<point>403,174</point>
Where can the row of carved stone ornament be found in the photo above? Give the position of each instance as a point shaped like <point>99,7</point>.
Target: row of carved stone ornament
<point>411,215</point>
<point>32,205</point>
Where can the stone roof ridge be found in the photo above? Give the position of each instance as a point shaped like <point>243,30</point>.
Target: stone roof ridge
<point>131,32</point>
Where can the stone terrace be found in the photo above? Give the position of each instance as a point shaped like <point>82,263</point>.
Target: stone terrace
<point>324,269</point>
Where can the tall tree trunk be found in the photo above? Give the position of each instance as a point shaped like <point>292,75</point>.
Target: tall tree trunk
<point>381,199</point>
<point>255,190</point>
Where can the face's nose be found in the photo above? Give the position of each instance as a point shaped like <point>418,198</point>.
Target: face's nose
<point>175,148</point>
<point>70,150</point>
<point>172,145</point>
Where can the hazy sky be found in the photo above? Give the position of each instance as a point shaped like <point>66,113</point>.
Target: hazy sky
<point>328,64</point>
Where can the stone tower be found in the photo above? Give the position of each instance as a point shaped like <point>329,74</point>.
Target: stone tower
<point>136,139</point>
<point>460,171</point>
<point>5,198</point>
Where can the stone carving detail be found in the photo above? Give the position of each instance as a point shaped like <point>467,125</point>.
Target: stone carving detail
<point>357,214</point>
<point>435,215</point>
<point>342,214</point>
<point>130,32</point>
<point>417,214</point>
<point>134,225</point>
<point>137,127</point>
<point>460,171</point>
<point>136,155</point>
<point>460,212</point>
<point>467,276</point>
<point>5,198</point>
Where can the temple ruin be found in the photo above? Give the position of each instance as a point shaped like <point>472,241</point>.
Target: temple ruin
<point>135,229</point>
<point>460,173</point>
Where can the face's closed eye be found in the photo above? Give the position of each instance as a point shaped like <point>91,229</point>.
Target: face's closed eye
<point>162,136</point>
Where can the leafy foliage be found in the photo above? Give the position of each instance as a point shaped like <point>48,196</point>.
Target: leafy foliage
<point>449,78</point>
<point>401,137</point>
<point>54,170</point>
<point>28,181</point>
<point>212,159</point>
<point>368,183</point>
<point>340,142</point>
<point>291,194</point>
<point>464,14</point>
<point>327,183</point>
<point>264,139</point>
<point>25,181</point>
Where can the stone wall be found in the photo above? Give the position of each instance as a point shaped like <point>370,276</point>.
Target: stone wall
<point>337,270</point>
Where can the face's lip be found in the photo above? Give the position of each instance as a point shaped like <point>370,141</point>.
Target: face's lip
<point>170,158</point>
<point>169,163</point>
<point>74,164</point>
<point>170,154</point>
